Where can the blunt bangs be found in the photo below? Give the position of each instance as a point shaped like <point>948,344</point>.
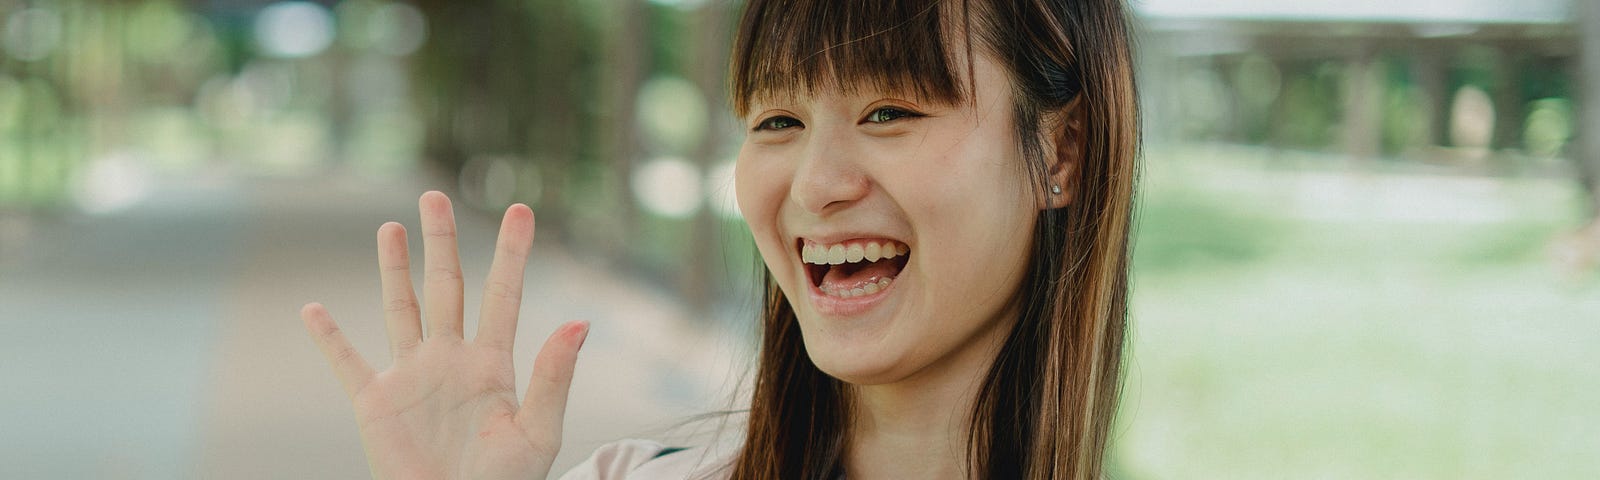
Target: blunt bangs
<point>789,48</point>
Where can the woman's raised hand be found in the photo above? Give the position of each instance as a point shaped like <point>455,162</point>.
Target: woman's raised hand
<point>447,407</point>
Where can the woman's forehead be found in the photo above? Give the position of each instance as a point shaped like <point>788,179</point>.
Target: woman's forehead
<point>792,49</point>
<point>860,87</point>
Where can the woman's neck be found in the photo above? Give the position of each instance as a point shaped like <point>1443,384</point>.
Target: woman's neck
<point>906,434</point>
<point>918,427</point>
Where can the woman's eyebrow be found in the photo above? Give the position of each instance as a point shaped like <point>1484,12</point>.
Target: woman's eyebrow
<point>764,97</point>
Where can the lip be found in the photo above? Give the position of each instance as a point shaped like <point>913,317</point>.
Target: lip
<point>832,306</point>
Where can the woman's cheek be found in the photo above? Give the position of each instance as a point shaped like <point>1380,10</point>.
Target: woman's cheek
<point>759,189</point>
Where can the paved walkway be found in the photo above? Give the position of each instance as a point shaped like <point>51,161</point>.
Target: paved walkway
<point>163,342</point>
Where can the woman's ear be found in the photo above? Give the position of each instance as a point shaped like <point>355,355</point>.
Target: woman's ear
<point>1063,147</point>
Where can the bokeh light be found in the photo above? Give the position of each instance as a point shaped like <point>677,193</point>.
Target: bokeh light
<point>164,30</point>
<point>672,114</point>
<point>113,183</point>
<point>32,33</point>
<point>294,29</point>
<point>397,29</point>
<point>668,186</point>
<point>490,180</point>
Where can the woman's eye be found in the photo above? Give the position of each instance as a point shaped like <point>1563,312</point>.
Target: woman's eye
<point>777,123</point>
<point>889,114</point>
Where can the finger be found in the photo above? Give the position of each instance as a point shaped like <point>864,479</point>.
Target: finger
<point>502,292</point>
<point>442,278</point>
<point>546,401</point>
<point>352,370</point>
<point>400,312</point>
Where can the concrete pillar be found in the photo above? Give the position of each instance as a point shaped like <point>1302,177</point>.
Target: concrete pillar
<point>1509,109</point>
<point>1362,94</point>
<point>1586,155</point>
<point>1428,71</point>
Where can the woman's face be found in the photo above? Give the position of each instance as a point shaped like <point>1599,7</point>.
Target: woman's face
<point>833,183</point>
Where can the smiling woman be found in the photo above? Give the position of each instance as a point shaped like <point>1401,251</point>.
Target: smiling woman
<point>941,193</point>
<point>992,142</point>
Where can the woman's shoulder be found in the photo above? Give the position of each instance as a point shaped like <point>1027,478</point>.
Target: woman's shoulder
<point>635,459</point>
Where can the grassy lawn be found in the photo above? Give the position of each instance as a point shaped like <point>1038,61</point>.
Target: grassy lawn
<point>1327,322</point>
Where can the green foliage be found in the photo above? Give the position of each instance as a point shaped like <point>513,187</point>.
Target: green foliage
<point>1475,65</point>
<point>1549,126</point>
<point>1512,244</point>
<point>1404,110</point>
<point>1312,98</point>
<point>1180,232</point>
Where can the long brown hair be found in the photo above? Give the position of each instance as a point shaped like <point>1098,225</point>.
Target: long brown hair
<point>1046,407</point>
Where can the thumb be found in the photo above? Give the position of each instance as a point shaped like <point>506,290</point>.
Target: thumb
<point>545,403</point>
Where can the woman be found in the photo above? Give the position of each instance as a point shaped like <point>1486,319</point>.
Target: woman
<point>941,193</point>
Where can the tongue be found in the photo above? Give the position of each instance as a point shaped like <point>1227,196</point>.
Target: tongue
<point>856,275</point>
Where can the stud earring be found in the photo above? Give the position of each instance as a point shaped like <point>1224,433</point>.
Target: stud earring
<point>1055,189</point>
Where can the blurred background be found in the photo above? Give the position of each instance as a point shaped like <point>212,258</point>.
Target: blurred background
<point>1366,247</point>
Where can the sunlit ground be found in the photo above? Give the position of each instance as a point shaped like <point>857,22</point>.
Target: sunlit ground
<point>1330,323</point>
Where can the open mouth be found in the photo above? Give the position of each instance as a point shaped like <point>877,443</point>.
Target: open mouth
<point>854,268</point>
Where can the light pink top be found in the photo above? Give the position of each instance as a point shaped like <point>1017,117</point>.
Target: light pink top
<point>637,460</point>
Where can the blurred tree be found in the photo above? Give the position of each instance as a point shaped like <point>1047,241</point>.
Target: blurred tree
<point>505,79</point>
<point>554,87</point>
<point>625,66</point>
<point>709,71</point>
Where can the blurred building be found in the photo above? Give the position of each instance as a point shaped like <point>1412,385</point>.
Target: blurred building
<point>1438,81</point>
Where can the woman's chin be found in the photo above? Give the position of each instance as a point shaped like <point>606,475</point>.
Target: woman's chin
<point>856,366</point>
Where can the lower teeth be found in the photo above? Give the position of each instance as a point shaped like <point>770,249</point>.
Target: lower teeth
<point>868,288</point>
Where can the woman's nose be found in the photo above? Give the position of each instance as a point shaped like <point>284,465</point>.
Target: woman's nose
<point>829,176</point>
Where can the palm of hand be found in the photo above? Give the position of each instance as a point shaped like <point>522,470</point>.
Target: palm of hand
<point>452,416</point>
<point>447,408</point>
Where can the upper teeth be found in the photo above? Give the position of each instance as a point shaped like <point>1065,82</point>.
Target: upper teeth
<point>856,252</point>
